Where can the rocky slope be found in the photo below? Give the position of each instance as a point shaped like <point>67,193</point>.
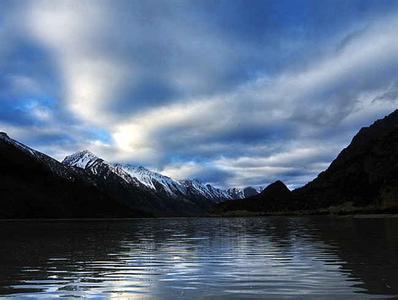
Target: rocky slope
<point>364,176</point>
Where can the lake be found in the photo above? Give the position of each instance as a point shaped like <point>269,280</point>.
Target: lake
<point>201,258</point>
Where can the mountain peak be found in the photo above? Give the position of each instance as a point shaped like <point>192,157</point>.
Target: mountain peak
<point>80,159</point>
<point>276,187</point>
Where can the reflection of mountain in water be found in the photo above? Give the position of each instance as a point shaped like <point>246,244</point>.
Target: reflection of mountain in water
<point>365,248</point>
<point>369,248</point>
<point>215,257</point>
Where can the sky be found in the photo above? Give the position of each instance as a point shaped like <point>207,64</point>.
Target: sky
<point>233,93</point>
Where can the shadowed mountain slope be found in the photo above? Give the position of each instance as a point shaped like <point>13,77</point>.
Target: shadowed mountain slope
<point>365,173</point>
<point>363,176</point>
<point>274,197</point>
<point>33,185</point>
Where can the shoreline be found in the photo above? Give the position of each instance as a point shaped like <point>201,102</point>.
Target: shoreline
<point>241,214</point>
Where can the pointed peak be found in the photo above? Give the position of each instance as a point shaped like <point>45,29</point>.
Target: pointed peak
<point>276,186</point>
<point>80,159</point>
<point>82,153</point>
<point>279,182</point>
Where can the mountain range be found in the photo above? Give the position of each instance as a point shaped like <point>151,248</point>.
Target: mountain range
<point>155,182</point>
<point>363,177</point>
<point>33,184</point>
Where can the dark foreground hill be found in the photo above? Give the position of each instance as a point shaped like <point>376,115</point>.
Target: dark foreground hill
<point>272,198</point>
<point>33,185</point>
<point>364,176</point>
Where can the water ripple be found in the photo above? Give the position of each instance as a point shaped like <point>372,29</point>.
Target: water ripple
<point>201,258</point>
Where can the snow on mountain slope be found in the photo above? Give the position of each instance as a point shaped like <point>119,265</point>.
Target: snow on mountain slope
<point>85,160</point>
<point>197,188</point>
<point>259,189</point>
<point>153,180</point>
<point>236,193</point>
<point>157,182</point>
<point>131,174</point>
<point>95,165</point>
<point>82,159</point>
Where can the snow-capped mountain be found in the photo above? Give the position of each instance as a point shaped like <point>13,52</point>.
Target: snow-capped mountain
<point>34,185</point>
<point>89,162</point>
<point>174,188</point>
<point>139,187</point>
<point>82,159</point>
<point>236,193</point>
<point>140,176</point>
<point>195,188</point>
<point>153,180</point>
<point>86,185</point>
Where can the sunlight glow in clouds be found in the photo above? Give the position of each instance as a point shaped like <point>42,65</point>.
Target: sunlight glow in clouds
<point>168,85</point>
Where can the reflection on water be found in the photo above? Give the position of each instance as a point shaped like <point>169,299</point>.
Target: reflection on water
<point>272,257</point>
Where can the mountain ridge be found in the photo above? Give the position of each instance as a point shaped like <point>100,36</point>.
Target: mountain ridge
<point>363,176</point>
<point>159,182</point>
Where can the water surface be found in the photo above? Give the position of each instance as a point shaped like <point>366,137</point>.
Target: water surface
<point>205,258</point>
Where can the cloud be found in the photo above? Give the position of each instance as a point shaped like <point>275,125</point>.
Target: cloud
<point>307,105</point>
<point>294,162</point>
<point>220,91</point>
